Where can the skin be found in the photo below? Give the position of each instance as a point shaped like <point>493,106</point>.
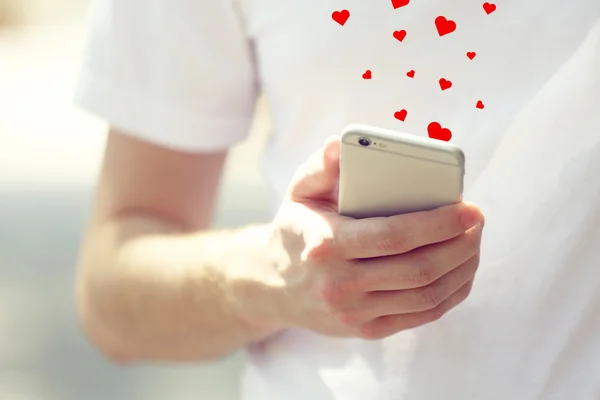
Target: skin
<point>155,284</point>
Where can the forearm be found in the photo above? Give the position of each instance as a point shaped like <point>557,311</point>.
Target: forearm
<point>146,291</point>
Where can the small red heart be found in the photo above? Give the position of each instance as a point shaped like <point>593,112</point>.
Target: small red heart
<point>436,131</point>
<point>401,115</point>
<point>367,74</point>
<point>480,105</point>
<point>341,16</point>
<point>400,35</point>
<point>489,8</point>
<point>399,3</point>
<point>411,73</point>
<point>471,55</point>
<point>444,26</point>
<point>445,84</point>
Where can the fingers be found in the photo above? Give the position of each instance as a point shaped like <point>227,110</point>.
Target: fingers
<point>421,267</point>
<point>377,237</point>
<point>388,325</point>
<point>317,178</point>
<point>423,298</point>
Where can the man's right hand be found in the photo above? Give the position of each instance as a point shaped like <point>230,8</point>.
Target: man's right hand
<point>154,283</point>
<point>367,278</point>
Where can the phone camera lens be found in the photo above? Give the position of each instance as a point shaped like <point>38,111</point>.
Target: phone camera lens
<point>364,142</point>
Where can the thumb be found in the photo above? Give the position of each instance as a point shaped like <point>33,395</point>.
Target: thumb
<point>317,178</point>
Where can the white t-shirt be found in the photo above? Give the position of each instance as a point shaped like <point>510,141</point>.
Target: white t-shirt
<point>186,74</point>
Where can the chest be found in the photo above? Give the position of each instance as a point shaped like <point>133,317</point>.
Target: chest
<point>472,72</point>
<point>327,43</point>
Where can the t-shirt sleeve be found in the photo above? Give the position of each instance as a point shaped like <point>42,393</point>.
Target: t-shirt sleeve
<point>176,73</point>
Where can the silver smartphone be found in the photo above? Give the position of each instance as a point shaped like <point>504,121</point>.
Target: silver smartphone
<point>384,173</point>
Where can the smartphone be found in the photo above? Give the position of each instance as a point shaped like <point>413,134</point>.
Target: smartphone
<point>384,173</point>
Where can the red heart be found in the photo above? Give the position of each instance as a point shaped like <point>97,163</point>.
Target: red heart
<point>445,84</point>
<point>444,26</point>
<point>411,73</point>
<point>399,3</point>
<point>480,105</point>
<point>489,7</point>
<point>400,35</point>
<point>471,54</point>
<point>401,115</point>
<point>436,131</point>
<point>341,16</point>
<point>367,74</point>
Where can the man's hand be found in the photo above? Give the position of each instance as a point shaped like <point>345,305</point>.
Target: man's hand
<point>155,284</point>
<point>366,278</point>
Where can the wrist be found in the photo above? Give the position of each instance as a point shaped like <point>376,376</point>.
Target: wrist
<point>252,284</point>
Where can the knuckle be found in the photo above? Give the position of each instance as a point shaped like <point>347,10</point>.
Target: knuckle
<point>355,237</point>
<point>354,284</point>
<point>428,297</point>
<point>348,318</point>
<point>331,294</point>
<point>334,293</point>
<point>473,238</point>
<point>423,270</point>
<point>437,313</point>
<point>389,239</point>
<point>466,290</point>
<point>476,260</point>
<point>385,238</point>
<point>322,249</point>
<point>439,229</point>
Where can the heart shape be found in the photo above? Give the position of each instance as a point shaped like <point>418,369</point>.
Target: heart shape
<point>436,131</point>
<point>400,35</point>
<point>480,105</point>
<point>341,16</point>
<point>399,3</point>
<point>471,55</point>
<point>367,74</point>
<point>401,115</point>
<point>444,26</point>
<point>411,73</point>
<point>445,84</point>
<point>489,8</point>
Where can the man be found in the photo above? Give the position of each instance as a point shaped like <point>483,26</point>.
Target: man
<point>330,307</point>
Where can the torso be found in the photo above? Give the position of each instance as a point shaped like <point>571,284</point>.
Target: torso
<point>531,328</point>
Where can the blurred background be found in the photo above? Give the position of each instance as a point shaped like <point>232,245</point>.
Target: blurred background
<point>49,157</point>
